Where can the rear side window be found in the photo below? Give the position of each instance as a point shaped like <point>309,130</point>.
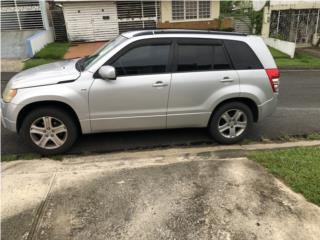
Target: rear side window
<point>242,55</point>
<point>221,62</point>
<point>193,57</point>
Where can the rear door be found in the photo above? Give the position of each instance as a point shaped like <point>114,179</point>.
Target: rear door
<point>254,81</point>
<point>202,75</point>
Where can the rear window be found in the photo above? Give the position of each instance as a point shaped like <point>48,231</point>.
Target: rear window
<point>242,55</point>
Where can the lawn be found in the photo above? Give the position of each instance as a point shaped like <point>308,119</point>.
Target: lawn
<point>301,60</point>
<point>299,168</point>
<point>50,53</point>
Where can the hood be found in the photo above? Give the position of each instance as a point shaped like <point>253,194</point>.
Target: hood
<point>46,74</point>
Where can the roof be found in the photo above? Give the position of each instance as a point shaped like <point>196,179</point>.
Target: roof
<point>178,31</point>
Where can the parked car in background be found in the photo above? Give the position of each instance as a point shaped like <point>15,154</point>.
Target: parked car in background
<point>151,79</point>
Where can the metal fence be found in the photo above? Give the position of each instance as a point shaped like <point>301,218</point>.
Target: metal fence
<point>21,15</point>
<point>295,25</point>
<point>135,15</point>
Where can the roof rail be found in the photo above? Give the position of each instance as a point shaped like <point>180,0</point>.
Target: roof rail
<point>185,31</point>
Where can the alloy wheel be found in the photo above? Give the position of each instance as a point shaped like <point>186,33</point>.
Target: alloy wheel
<point>232,123</point>
<point>48,132</point>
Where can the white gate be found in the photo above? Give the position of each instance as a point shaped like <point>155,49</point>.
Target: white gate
<point>96,21</point>
<point>99,21</point>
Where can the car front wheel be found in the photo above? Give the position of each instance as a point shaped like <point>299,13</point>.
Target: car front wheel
<point>230,123</point>
<point>49,130</point>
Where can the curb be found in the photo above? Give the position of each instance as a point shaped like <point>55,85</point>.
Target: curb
<point>141,159</point>
<point>170,152</point>
<point>191,150</point>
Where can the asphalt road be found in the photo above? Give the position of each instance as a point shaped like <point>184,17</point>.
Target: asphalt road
<point>298,113</point>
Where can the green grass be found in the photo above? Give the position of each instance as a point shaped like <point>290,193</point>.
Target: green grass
<point>313,136</point>
<point>28,156</point>
<point>53,51</point>
<point>50,53</point>
<point>301,60</point>
<point>13,157</point>
<point>297,167</point>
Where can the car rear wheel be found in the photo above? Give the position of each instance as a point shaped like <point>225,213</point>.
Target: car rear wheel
<point>49,130</point>
<point>230,123</point>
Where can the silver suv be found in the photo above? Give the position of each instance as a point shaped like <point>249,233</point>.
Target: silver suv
<point>151,79</point>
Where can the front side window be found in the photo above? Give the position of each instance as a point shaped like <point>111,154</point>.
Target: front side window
<point>188,10</point>
<point>147,59</point>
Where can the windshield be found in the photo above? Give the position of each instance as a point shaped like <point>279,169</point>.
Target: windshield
<point>88,61</point>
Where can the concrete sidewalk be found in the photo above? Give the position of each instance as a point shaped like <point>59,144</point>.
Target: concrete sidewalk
<point>11,65</point>
<point>188,193</point>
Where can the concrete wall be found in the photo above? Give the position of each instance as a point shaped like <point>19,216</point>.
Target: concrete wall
<point>283,46</point>
<point>166,11</point>
<point>37,41</point>
<point>13,43</point>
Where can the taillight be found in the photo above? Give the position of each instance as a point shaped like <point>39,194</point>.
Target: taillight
<point>274,74</point>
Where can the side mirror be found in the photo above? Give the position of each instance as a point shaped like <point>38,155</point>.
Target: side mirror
<point>108,72</point>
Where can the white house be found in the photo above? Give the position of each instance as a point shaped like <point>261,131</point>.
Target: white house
<point>293,21</point>
<point>99,20</point>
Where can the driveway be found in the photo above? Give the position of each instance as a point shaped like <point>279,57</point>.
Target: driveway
<point>167,194</point>
<point>298,113</point>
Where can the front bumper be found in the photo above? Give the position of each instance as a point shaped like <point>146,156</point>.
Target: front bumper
<point>8,116</point>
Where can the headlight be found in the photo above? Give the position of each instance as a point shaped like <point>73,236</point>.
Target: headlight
<point>9,94</point>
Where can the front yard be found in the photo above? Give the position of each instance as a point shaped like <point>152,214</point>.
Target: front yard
<point>297,167</point>
<point>50,53</point>
<point>301,60</point>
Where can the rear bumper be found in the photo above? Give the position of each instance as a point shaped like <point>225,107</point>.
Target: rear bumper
<point>8,116</point>
<point>268,107</point>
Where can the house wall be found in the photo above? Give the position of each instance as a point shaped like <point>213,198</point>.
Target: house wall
<point>37,41</point>
<point>284,5</point>
<point>166,11</point>
<point>13,43</point>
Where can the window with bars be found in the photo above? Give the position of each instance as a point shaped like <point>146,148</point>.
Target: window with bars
<point>21,15</point>
<point>188,10</point>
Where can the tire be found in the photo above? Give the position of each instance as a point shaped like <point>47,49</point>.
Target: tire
<point>62,135</point>
<point>233,130</point>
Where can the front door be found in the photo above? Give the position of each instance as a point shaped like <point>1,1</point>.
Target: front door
<point>137,99</point>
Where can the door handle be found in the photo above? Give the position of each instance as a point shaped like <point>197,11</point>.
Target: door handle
<point>159,84</point>
<point>226,79</point>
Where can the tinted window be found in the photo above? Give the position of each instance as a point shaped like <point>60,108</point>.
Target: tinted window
<point>221,61</point>
<point>143,60</point>
<point>242,55</point>
<point>194,58</point>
